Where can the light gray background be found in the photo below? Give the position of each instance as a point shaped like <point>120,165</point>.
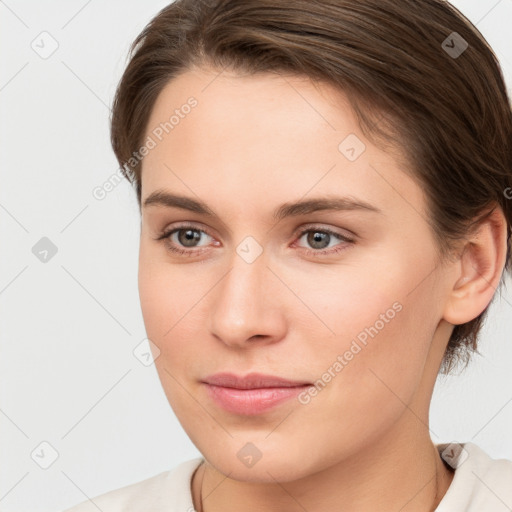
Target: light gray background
<point>69,326</point>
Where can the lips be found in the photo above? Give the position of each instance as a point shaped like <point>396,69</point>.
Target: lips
<point>252,381</point>
<point>251,394</point>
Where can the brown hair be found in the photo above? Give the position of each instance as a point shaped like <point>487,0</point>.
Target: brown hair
<point>411,81</point>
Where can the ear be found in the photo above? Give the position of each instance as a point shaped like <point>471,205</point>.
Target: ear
<point>478,270</point>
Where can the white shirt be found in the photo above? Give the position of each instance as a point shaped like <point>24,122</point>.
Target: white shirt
<point>480,484</point>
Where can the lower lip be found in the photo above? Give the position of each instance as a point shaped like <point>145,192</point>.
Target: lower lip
<point>251,401</point>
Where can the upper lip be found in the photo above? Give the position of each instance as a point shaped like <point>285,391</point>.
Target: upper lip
<point>252,381</point>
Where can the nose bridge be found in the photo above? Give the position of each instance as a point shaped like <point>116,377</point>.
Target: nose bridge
<point>244,283</point>
<point>241,306</point>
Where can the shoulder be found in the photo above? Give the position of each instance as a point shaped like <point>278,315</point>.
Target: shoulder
<point>169,491</point>
<point>480,482</point>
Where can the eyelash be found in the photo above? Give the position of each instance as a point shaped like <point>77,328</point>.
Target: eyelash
<point>310,252</point>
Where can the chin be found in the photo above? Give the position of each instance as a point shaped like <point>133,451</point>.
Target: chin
<point>271,467</point>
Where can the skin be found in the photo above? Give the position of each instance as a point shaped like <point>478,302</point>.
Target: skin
<point>251,144</point>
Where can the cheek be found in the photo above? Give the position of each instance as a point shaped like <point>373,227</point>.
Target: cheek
<point>172,299</point>
<point>338,302</point>
<point>165,299</point>
<point>380,327</point>
<point>165,291</point>
<point>372,366</point>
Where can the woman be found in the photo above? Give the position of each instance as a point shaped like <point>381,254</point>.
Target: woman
<point>324,223</point>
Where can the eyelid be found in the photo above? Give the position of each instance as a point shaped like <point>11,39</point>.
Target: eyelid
<point>167,232</point>
<point>322,227</point>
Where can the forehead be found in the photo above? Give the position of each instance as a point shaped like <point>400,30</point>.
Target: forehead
<point>264,134</point>
<point>263,104</point>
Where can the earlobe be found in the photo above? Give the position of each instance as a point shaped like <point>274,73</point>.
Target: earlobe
<point>479,270</point>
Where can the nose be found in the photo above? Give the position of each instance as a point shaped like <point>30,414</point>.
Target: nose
<point>248,304</point>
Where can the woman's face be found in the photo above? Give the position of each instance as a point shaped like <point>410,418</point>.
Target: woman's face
<point>360,310</point>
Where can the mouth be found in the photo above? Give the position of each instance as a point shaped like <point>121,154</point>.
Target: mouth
<point>252,394</point>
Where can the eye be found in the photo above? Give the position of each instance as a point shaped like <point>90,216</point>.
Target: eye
<point>187,236</point>
<point>319,238</point>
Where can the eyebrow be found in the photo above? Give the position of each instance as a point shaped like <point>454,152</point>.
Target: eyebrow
<point>302,207</point>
